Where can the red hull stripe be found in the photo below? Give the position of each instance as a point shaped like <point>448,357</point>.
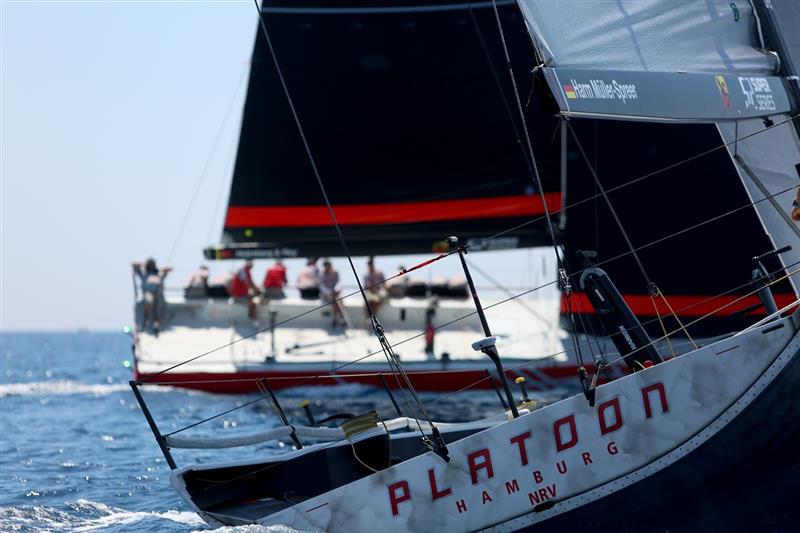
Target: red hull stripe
<point>693,306</point>
<point>390,213</point>
<point>244,381</point>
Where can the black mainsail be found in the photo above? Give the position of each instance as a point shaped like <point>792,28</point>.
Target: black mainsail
<point>409,124</point>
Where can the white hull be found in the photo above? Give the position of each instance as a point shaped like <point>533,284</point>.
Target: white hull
<point>562,457</point>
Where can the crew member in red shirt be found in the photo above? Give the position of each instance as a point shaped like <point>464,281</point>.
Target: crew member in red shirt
<point>243,288</point>
<point>275,280</point>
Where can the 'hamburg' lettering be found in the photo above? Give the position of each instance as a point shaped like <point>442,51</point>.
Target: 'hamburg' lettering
<point>512,486</point>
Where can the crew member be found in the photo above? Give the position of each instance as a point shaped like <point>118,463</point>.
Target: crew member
<point>244,290</point>
<point>152,283</point>
<point>275,281</point>
<point>373,287</point>
<point>329,290</point>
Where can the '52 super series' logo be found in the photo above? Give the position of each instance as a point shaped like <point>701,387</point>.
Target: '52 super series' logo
<point>757,93</point>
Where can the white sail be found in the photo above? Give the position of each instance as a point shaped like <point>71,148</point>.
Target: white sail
<point>768,161</point>
<point>710,36</point>
<point>656,60</point>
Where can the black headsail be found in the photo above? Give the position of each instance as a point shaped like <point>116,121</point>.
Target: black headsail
<point>408,121</point>
<point>670,90</point>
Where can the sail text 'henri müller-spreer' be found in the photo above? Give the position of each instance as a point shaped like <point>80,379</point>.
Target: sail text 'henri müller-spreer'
<point>601,90</point>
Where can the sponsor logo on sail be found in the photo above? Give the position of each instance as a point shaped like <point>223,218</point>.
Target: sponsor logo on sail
<point>600,90</point>
<point>724,94</point>
<point>757,93</point>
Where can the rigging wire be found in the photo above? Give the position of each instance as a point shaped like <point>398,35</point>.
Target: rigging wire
<point>512,368</point>
<point>214,223</point>
<point>652,288</point>
<point>610,206</point>
<point>206,166</point>
<point>648,175</point>
<point>566,289</point>
<point>499,286</point>
<point>651,321</point>
<point>449,395</point>
<point>481,242</point>
<point>609,260</point>
<point>737,300</point>
<point>529,291</point>
<point>499,85</point>
<point>391,357</point>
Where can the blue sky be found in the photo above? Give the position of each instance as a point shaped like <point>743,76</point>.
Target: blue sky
<point>110,111</point>
<point>113,115</point>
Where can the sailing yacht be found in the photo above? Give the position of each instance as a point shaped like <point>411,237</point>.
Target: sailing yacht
<point>704,439</point>
<point>442,152</point>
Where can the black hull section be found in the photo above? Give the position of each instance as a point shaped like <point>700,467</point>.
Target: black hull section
<point>746,478</point>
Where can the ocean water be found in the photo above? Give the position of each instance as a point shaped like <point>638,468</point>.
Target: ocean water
<point>77,455</point>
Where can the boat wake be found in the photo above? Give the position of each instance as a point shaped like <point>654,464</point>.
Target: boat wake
<point>84,515</point>
<point>38,388</point>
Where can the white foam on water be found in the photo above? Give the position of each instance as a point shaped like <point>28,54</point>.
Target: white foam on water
<point>42,388</point>
<point>48,518</point>
<point>278,528</point>
<point>115,516</point>
<point>121,517</point>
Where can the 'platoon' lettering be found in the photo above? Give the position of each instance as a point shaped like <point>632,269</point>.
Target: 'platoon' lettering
<point>394,498</point>
<point>437,493</point>
<point>605,427</point>
<point>520,440</point>
<point>562,445</point>
<point>662,394</point>
<point>565,436</point>
<point>484,464</point>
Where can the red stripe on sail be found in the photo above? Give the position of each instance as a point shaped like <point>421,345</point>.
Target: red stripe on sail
<point>693,306</point>
<point>390,213</point>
